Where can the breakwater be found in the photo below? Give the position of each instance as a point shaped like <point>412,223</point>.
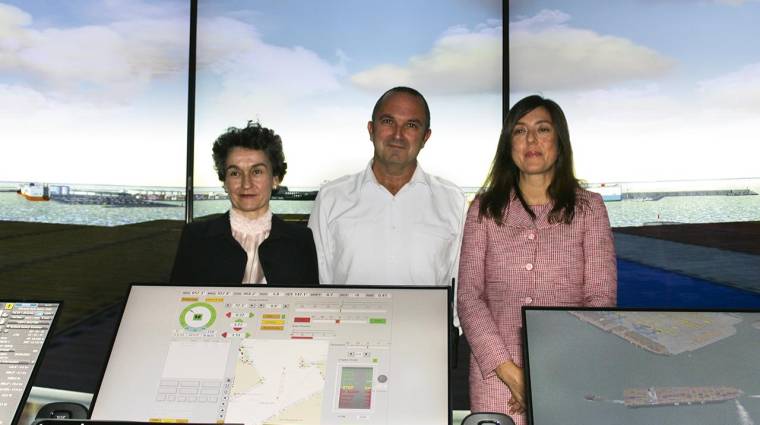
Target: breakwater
<point>656,196</point>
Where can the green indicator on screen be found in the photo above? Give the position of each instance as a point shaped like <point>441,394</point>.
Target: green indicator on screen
<point>376,321</point>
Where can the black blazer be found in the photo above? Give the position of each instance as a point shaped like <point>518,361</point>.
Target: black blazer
<point>208,253</point>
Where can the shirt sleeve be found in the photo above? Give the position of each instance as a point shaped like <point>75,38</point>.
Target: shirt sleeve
<point>600,266</point>
<point>318,225</point>
<point>478,324</point>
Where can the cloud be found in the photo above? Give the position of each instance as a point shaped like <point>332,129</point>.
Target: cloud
<point>113,61</point>
<point>736,90</point>
<point>545,54</point>
<point>462,61</point>
<point>543,19</point>
<point>227,46</point>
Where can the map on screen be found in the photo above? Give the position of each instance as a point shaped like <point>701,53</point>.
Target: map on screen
<point>279,355</point>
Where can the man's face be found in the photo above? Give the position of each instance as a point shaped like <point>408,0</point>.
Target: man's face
<point>398,131</point>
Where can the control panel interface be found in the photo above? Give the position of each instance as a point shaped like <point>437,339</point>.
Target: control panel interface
<point>265,355</point>
<point>24,326</point>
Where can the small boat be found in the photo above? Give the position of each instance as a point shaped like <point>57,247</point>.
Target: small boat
<point>34,192</point>
<point>610,191</point>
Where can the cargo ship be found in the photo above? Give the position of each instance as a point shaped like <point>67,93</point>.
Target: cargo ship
<point>610,191</point>
<point>283,194</point>
<point>34,192</point>
<point>677,396</point>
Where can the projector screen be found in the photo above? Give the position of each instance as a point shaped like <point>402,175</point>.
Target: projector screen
<point>269,355</point>
<point>596,366</point>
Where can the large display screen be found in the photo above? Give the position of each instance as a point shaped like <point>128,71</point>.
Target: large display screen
<point>596,366</point>
<point>277,355</point>
<point>24,329</point>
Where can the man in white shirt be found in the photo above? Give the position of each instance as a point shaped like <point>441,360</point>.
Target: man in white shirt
<point>391,224</point>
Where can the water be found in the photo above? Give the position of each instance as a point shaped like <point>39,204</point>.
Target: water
<point>564,370</point>
<point>680,209</point>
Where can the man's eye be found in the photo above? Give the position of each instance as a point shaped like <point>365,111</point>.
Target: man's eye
<point>233,173</point>
<point>412,125</point>
<point>386,121</point>
<point>258,171</point>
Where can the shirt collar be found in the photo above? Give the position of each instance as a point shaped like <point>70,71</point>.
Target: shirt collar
<point>419,176</point>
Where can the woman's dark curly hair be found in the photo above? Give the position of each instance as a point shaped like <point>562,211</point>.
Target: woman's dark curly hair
<point>504,176</point>
<point>253,136</point>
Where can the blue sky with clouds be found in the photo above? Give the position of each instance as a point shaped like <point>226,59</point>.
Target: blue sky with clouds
<point>97,88</point>
<point>107,79</point>
<point>312,71</point>
<point>671,86</point>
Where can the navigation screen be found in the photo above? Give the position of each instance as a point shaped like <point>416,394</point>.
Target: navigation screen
<point>24,328</point>
<point>643,367</point>
<point>275,355</point>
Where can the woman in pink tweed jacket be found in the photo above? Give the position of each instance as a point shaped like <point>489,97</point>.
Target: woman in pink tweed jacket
<point>533,236</point>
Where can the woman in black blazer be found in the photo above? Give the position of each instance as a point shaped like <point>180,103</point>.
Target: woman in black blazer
<point>248,244</point>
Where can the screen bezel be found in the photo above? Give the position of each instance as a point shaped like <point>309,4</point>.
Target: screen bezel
<point>40,356</point>
<point>449,321</point>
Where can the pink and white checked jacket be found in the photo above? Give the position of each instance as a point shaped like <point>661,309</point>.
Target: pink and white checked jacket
<point>521,263</point>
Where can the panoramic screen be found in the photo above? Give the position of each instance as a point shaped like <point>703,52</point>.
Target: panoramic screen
<point>312,71</point>
<point>661,99</point>
<point>93,110</point>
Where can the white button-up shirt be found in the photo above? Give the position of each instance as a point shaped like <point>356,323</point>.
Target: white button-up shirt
<point>366,236</point>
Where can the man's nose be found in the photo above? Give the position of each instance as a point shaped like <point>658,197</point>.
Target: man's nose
<point>397,132</point>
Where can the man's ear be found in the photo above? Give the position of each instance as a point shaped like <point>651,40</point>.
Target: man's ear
<point>428,132</point>
<point>370,129</point>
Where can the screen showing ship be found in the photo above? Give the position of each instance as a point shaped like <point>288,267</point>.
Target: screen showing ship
<point>627,366</point>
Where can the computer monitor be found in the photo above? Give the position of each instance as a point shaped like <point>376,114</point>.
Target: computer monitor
<point>280,355</point>
<point>24,330</point>
<point>623,366</point>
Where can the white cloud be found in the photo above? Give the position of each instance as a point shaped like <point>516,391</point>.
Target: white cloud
<point>229,46</point>
<point>112,61</point>
<point>76,142</point>
<point>736,90</point>
<point>546,55</point>
<point>462,61</point>
<point>543,19</point>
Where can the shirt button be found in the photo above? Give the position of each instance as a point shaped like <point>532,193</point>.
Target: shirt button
<point>528,300</point>
<point>532,236</point>
<point>529,266</point>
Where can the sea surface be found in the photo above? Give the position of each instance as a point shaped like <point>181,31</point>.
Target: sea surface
<point>564,372</point>
<point>676,209</point>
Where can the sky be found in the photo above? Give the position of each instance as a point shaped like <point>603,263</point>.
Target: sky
<point>653,89</point>
<point>95,91</point>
